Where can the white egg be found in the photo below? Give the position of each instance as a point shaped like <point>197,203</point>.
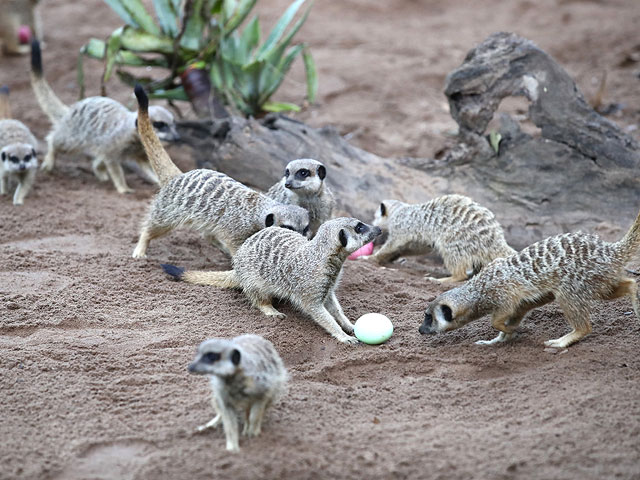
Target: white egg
<point>373,328</point>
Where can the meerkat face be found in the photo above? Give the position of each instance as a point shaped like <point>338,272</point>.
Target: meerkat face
<point>18,157</point>
<point>354,234</point>
<point>447,312</point>
<point>216,356</point>
<point>383,213</point>
<point>304,176</point>
<point>291,217</point>
<point>164,124</point>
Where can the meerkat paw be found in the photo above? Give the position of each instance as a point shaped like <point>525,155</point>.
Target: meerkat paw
<point>350,340</point>
<point>233,447</point>
<point>501,338</point>
<point>269,311</point>
<point>558,343</point>
<point>214,422</point>
<point>125,190</point>
<point>138,254</point>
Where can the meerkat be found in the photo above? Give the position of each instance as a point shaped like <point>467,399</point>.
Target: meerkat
<point>573,269</point>
<point>99,127</point>
<point>224,210</point>
<point>465,234</point>
<point>19,161</point>
<point>247,376</point>
<point>276,263</point>
<point>19,21</point>
<point>303,185</point>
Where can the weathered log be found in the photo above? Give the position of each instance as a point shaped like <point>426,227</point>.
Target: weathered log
<point>580,173</point>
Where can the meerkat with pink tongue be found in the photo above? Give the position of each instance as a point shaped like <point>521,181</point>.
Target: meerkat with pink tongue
<point>466,234</point>
<point>574,269</point>
<point>18,146</point>
<point>225,211</point>
<point>304,185</point>
<point>99,127</point>
<point>276,263</point>
<point>247,376</point>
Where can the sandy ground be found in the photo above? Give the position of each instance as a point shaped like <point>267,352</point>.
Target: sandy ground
<point>95,345</point>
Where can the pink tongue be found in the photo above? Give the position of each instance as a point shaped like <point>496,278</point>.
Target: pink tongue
<point>24,34</point>
<point>366,250</point>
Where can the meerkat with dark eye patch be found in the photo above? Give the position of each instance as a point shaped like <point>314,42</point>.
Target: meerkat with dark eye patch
<point>465,234</point>
<point>574,269</point>
<point>18,159</point>
<point>304,185</point>
<point>247,376</point>
<point>99,127</point>
<point>275,263</point>
<point>225,211</point>
<point>14,16</point>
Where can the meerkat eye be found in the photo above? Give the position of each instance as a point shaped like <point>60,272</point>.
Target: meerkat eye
<point>27,157</point>
<point>303,173</point>
<point>448,314</point>
<point>211,357</point>
<point>160,126</point>
<point>289,227</point>
<point>14,159</point>
<point>361,227</point>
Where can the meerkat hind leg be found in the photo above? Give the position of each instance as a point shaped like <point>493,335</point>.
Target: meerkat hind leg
<point>578,318</point>
<point>117,175</point>
<point>50,158</point>
<point>99,170</point>
<point>627,286</point>
<point>506,324</point>
<point>266,307</point>
<point>146,235</point>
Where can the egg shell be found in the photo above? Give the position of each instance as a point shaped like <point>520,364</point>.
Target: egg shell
<point>373,328</point>
<point>365,250</point>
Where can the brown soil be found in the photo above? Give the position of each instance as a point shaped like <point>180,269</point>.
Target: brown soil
<point>95,345</point>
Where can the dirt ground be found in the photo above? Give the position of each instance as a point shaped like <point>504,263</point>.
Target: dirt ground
<point>95,344</point>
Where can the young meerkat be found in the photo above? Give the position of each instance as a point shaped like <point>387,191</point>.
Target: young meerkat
<point>247,376</point>
<point>303,184</point>
<point>276,263</point>
<point>465,234</point>
<point>19,21</point>
<point>19,162</point>
<point>573,269</point>
<point>225,211</point>
<point>99,127</point>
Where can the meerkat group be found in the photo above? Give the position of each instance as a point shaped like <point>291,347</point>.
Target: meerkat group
<point>285,245</point>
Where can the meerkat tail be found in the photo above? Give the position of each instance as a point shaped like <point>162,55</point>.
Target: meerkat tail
<point>5,106</point>
<point>631,241</point>
<point>159,159</point>
<point>217,279</point>
<point>48,100</point>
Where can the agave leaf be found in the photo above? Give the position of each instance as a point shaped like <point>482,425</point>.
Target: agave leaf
<point>280,107</point>
<point>228,8</point>
<point>171,94</point>
<point>80,73</point>
<point>278,51</point>
<point>141,16</point>
<point>279,29</point>
<point>250,37</point>
<point>167,16</point>
<point>278,73</point>
<point>118,7</point>
<point>239,14</point>
<point>95,49</point>
<point>139,41</point>
<point>312,75</point>
<point>176,5</point>
<point>193,33</point>
<point>114,43</point>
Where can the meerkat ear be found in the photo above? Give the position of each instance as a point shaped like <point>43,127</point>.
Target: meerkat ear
<point>322,172</point>
<point>343,238</point>
<point>270,220</point>
<point>235,357</point>
<point>448,314</point>
<point>4,156</point>
<point>136,122</point>
<point>383,209</point>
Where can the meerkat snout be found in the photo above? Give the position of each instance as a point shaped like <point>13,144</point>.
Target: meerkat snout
<point>426,325</point>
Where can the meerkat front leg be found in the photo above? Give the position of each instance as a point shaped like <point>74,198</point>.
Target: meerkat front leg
<point>117,175</point>
<point>323,318</point>
<point>451,279</point>
<point>24,186</point>
<point>215,421</point>
<point>230,425</point>
<point>3,184</point>
<point>506,323</point>
<point>334,308</point>
<point>99,170</point>
<point>387,253</point>
<point>254,425</point>
<point>577,317</point>
<point>147,234</point>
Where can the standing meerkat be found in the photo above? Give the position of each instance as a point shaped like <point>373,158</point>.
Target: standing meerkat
<point>17,152</point>
<point>573,269</point>
<point>303,185</point>
<point>276,263</point>
<point>225,211</point>
<point>19,21</point>
<point>96,126</point>
<point>465,234</point>
<point>246,375</point>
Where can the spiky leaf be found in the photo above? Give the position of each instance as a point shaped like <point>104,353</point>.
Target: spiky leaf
<point>280,107</point>
<point>279,29</point>
<point>238,16</point>
<point>312,75</point>
<point>141,16</point>
<point>167,16</point>
<point>118,7</point>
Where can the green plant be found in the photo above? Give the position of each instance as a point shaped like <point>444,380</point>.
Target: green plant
<point>203,35</point>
